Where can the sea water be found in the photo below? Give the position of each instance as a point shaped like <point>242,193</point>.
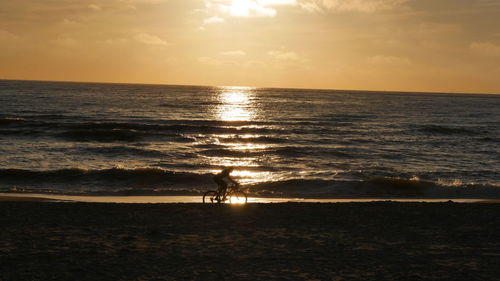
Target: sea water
<point>125,139</point>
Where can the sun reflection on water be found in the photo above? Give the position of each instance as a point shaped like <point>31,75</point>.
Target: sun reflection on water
<point>246,146</point>
<point>235,104</point>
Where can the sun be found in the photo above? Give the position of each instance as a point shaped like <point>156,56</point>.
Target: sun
<point>248,8</point>
<point>240,8</point>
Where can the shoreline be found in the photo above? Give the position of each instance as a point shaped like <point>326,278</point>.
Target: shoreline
<point>39,197</point>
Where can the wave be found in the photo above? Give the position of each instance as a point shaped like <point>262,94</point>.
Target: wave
<point>388,187</point>
<point>216,150</point>
<point>490,139</point>
<point>129,131</point>
<point>49,116</point>
<point>170,105</point>
<point>231,153</point>
<point>126,150</point>
<point>132,135</point>
<point>135,191</point>
<point>155,181</point>
<point>102,135</point>
<point>297,151</point>
<point>443,130</point>
<point>172,125</point>
<point>6,121</point>
<point>257,140</point>
<point>104,178</point>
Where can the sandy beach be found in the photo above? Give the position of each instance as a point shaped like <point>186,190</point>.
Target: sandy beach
<point>287,241</point>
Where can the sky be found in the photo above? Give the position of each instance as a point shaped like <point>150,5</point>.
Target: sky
<point>399,45</point>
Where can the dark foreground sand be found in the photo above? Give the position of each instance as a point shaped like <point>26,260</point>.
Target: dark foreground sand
<point>291,241</point>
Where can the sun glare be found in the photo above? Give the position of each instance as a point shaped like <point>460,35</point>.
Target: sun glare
<point>235,105</point>
<point>237,200</point>
<point>240,8</point>
<point>235,98</point>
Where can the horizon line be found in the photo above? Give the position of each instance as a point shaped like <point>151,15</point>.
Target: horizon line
<point>284,88</point>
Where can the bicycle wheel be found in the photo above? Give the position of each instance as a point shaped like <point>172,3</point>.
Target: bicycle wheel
<point>237,197</point>
<point>211,197</point>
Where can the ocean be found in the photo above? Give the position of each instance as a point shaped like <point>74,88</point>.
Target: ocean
<point>129,139</point>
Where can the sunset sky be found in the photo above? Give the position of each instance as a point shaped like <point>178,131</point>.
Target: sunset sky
<point>407,45</point>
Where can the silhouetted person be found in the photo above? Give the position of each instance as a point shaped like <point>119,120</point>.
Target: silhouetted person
<point>223,179</point>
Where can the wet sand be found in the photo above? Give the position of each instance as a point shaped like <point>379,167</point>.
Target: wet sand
<point>288,241</point>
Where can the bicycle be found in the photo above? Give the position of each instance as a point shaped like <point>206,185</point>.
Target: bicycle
<point>233,194</point>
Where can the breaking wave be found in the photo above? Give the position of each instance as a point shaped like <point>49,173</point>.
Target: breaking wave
<point>375,188</point>
<point>101,179</point>
<point>155,181</point>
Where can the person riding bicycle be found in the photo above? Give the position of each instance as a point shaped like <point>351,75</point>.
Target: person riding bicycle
<point>223,179</point>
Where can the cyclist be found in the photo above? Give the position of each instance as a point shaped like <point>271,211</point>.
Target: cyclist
<point>223,179</point>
